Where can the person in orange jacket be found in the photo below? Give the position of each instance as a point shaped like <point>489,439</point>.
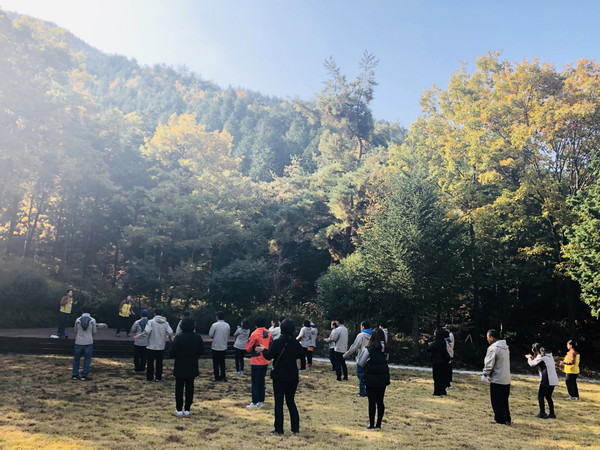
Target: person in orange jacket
<point>258,364</point>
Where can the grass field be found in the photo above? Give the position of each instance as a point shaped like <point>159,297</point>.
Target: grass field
<point>40,407</point>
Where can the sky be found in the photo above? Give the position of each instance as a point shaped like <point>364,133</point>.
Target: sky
<point>278,47</point>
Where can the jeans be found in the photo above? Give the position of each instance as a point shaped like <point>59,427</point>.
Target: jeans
<point>154,355</point>
<point>139,358</point>
<point>499,394</point>
<point>239,359</point>
<point>258,374</point>
<point>571,382</point>
<point>180,384</point>
<point>218,358</point>
<point>360,372</point>
<point>86,352</point>
<point>285,390</point>
<point>375,395</point>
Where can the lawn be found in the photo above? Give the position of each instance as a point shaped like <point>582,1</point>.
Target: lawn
<point>41,407</point>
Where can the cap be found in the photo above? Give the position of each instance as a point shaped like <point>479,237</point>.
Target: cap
<point>144,312</point>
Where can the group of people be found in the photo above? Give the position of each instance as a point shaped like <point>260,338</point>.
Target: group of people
<point>280,344</point>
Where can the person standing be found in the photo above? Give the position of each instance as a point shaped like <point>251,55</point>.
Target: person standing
<point>125,312</point>
<point>242,334</point>
<point>546,367</point>
<point>496,370</point>
<point>85,329</point>
<point>360,343</point>
<point>184,314</point>
<point>331,345</point>
<point>139,344</point>
<point>275,330</point>
<point>219,332</point>
<point>439,362</point>
<point>450,350</point>
<point>260,338</point>
<point>570,366</point>
<point>304,338</point>
<point>64,313</point>
<point>376,376</point>
<point>340,337</point>
<point>157,331</point>
<point>185,350</point>
<point>312,343</point>
<point>284,352</point>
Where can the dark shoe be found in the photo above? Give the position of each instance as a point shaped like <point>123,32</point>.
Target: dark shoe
<point>542,415</point>
<point>339,379</point>
<point>295,431</point>
<point>370,427</point>
<point>118,334</point>
<point>75,377</point>
<point>158,381</point>
<point>499,423</point>
<point>345,378</point>
<point>551,416</point>
<point>276,432</point>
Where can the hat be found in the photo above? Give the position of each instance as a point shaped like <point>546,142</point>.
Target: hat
<point>312,324</point>
<point>446,327</point>
<point>144,312</point>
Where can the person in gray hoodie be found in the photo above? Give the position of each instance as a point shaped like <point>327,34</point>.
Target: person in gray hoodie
<point>157,331</point>
<point>241,339</point>
<point>85,329</point>
<point>139,345</point>
<point>496,370</point>
<point>339,336</point>
<point>360,342</point>
<point>546,366</point>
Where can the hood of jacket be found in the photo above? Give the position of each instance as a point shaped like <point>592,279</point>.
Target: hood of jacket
<point>159,319</point>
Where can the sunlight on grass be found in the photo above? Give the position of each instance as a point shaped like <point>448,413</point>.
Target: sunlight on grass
<point>45,409</point>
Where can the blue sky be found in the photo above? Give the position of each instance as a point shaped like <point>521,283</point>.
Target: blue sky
<point>278,47</point>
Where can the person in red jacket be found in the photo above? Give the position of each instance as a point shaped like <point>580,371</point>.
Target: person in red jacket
<point>258,364</point>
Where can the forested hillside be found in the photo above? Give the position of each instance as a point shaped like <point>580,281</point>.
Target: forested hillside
<point>118,178</point>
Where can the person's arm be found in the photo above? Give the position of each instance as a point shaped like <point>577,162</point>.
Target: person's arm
<point>301,334</point>
<point>534,362</point>
<point>94,327</point>
<point>64,300</point>
<point>354,347</point>
<point>211,332</point>
<point>251,343</point>
<point>489,362</point>
<point>175,346</point>
<point>237,332</point>
<point>146,331</point>
<point>273,352</point>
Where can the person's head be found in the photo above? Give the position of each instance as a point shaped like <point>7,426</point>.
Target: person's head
<point>281,319</point>
<point>128,299</point>
<point>340,321</point>
<point>307,323</point>
<point>448,328</point>
<point>244,324</point>
<point>383,325</point>
<point>260,322</point>
<point>158,312</point>
<point>69,292</point>
<point>144,313</point>
<point>221,315</point>
<point>537,349</point>
<point>187,324</point>
<point>365,325</point>
<point>377,341</point>
<point>185,314</point>
<point>439,333</point>
<point>492,336</point>
<point>288,327</point>
<point>572,345</point>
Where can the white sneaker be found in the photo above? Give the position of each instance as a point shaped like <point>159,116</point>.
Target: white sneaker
<point>260,404</point>
<point>179,413</point>
<point>186,414</point>
<point>252,405</point>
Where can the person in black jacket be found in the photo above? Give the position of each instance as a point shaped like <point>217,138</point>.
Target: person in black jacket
<point>284,352</point>
<point>186,349</point>
<point>376,375</point>
<point>439,361</point>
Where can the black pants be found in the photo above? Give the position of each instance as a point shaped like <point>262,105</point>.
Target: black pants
<point>63,322</point>
<point>449,375</point>
<point>239,359</point>
<point>545,392</point>
<point>154,355</point>
<point>285,390</point>
<point>499,394</point>
<point>218,358</point>
<point>332,358</point>
<point>571,382</point>
<point>303,359</point>
<point>180,384</point>
<point>139,358</point>
<point>440,378</point>
<point>123,324</point>
<point>309,357</point>
<point>375,395</point>
<point>340,365</point>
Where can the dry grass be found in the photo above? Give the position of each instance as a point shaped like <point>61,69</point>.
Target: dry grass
<point>40,407</point>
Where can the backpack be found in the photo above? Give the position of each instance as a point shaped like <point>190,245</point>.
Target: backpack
<point>142,323</point>
<point>85,322</point>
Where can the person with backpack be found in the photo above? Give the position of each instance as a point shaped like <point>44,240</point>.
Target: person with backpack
<point>139,344</point>
<point>360,343</point>
<point>85,329</point>
<point>376,376</point>
<point>157,331</point>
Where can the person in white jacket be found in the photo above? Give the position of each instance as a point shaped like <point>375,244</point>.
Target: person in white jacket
<point>496,370</point>
<point>546,366</point>
<point>157,331</point>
